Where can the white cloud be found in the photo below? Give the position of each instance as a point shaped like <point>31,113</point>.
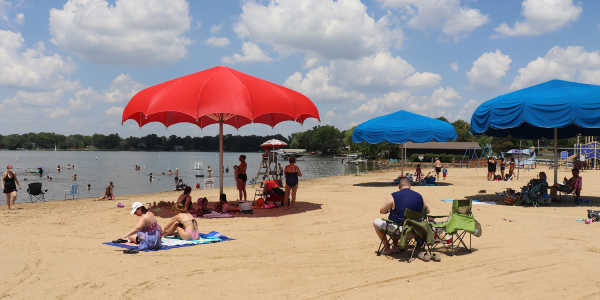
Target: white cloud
<point>454,66</point>
<point>316,86</point>
<point>115,111</point>
<point>19,19</point>
<point>453,19</point>
<point>218,42</point>
<point>4,8</point>
<point>395,101</point>
<point>30,68</point>
<point>36,98</point>
<point>444,97</point>
<point>321,29</point>
<point>250,53</point>
<point>131,32</point>
<point>541,16</point>
<point>59,112</point>
<point>487,71</point>
<point>468,109</point>
<point>346,79</point>
<point>215,28</point>
<point>198,25</point>
<point>572,63</point>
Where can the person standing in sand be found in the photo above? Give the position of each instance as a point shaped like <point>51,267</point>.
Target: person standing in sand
<point>395,204</point>
<point>491,168</point>
<point>8,186</point>
<point>241,176</point>
<point>292,172</point>
<point>438,168</point>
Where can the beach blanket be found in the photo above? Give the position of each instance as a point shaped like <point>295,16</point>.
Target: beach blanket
<point>215,214</point>
<point>175,242</point>
<point>476,201</point>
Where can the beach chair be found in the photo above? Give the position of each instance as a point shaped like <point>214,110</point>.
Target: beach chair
<point>72,192</point>
<point>35,192</point>
<point>535,195</point>
<point>460,222</point>
<point>576,192</point>
<point>414,222</point>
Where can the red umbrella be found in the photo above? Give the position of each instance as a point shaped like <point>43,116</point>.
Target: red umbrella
<point>219,95</point>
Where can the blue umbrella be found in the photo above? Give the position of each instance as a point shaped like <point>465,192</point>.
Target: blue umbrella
<point>554,109</point>
<point>401,127</point>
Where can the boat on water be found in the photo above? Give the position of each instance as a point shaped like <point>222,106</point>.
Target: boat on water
<point>355,159</point>
<point>291,154</point>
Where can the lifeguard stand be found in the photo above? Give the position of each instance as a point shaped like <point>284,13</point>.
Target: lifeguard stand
<point>266,171</point>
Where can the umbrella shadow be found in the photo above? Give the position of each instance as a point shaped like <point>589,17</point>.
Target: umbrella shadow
<point>391,184</point>
<point>567,202</point>
<point>299,207</point>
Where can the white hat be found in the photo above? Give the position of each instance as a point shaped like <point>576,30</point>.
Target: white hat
<point>135,206</point>
<point>176,169</point>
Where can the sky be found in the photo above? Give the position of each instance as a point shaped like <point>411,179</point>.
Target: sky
<point>71,66</point>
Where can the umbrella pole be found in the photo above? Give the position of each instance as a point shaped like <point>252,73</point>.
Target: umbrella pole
<point>402,156</point>
<point>555,156</point>
<point>221,159</point>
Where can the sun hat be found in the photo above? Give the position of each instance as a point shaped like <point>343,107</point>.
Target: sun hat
<point>135,206</point>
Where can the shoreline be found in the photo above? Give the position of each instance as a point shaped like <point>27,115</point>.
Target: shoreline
<point>323,249</point>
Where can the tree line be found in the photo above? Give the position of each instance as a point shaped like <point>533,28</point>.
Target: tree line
<point>152,142</point>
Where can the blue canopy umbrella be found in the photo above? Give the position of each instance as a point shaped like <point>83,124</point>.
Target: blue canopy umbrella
<point>401,127</point>
<point>554,109</point>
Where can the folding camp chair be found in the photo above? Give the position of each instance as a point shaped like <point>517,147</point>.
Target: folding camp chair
<point>576,192</point>
<point>35,192</point>
<point>535,195</point>
<point>72,192</point>
<point>457,224</point>
<point>414,222</point>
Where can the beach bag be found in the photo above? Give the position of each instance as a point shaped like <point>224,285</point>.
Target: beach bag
<point>278,191</point>
<point>594,215</point>
<point>497,177</point>
<point>149,241</point>
<point>510,200</point>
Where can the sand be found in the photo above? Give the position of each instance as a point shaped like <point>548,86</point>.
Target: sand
<point>325,249</point>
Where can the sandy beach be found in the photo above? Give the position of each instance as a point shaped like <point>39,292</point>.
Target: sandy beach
<point>325,249</point>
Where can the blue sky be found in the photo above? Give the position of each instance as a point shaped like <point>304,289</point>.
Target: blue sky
<point>71,66</point>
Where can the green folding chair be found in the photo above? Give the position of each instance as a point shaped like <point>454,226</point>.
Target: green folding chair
<point>460,222</point>
<point>415,223</point>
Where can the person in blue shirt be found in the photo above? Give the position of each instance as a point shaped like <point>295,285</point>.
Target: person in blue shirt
<point>445,172</point>
<point>395,204</point>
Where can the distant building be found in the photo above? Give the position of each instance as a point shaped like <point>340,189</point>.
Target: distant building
<point>457,148</point>
<point>178,148</point>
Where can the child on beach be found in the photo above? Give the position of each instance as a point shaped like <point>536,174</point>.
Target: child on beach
<point>222,206</point>
<point>197,186</point>
<point>418,172</point>
<point>445,172</point>
<point>203,209</point>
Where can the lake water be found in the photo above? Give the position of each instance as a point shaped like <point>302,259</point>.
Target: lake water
<point>98,168</point>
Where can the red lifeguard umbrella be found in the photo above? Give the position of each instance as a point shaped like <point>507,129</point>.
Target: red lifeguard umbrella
<point>273,143</point>
<point>219,95</point>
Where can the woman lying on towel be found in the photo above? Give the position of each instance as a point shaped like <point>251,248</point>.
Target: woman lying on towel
<point>147,233</point>
<point>183,224</point>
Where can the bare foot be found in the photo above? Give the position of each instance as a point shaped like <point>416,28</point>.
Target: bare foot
<point>13,206</point>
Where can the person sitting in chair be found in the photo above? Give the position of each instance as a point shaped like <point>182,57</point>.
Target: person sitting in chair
<point>395,204</point>
<point>572,184</point>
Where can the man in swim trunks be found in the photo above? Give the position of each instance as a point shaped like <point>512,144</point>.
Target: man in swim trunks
<point>395,204</point>
<point>438,167</point>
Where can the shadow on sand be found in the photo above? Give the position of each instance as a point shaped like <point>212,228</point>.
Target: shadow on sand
<point>568,201</point>
<point>391,184</point>
<point>300,207</point>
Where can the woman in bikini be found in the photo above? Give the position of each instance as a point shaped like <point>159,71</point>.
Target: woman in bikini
<point>183,224</point>
<point>146,228</point>
<point>292,172</point>
<point>511,167</point>
<point>241,177</point>
<point>8,186</point>
<point>185,199</point>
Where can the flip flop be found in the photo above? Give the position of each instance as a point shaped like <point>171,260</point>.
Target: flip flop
<point>130,251</point>
<point>120,241</point>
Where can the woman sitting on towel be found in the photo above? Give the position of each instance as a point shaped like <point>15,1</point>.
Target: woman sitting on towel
<point>183,224</point>
<point>185,199</point>
<point>146,231</point>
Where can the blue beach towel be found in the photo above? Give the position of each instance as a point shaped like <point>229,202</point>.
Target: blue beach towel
<point>175,242</point>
